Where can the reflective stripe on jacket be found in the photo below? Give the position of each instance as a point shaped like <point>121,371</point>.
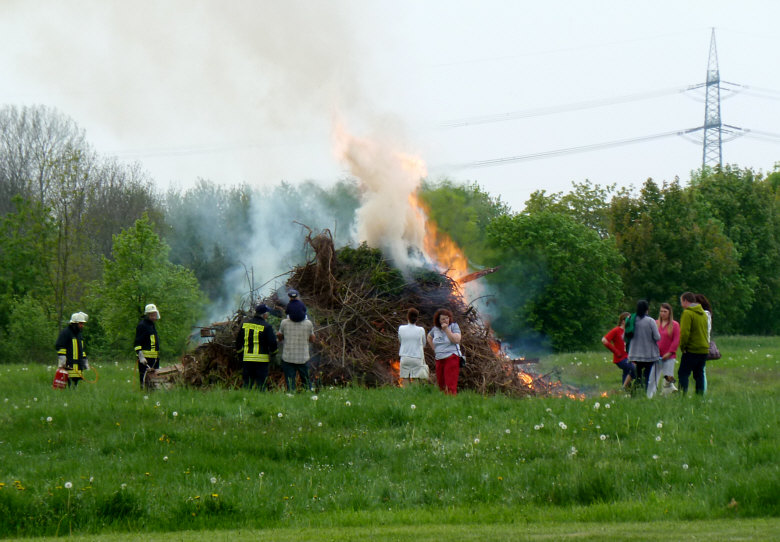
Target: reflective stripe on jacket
<point>256,340</point>
<point>146,339</point>
<point>70,344</point>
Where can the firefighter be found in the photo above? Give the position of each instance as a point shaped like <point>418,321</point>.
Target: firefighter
<point>147,342</point>
<point>255,343</point>
<point>70,349</point>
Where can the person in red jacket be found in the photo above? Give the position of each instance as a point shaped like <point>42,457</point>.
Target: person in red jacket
<point>615,343</point>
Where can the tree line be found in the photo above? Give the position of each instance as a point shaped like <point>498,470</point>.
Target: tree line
<point>81,232</point>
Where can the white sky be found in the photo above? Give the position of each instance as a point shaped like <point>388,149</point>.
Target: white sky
<point>247,91</point>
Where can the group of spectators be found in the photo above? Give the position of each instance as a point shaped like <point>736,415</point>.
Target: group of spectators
<point>645,348</point>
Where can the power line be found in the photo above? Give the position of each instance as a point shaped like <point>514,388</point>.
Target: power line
<point>571,150</point>
<point>542,111</point>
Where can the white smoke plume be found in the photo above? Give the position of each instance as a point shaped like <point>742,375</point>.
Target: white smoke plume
<point>388,179</point>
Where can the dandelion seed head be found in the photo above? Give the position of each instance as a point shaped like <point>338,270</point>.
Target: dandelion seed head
<point>607,405</point>
<point>658,438</point>
<point>659,425</point>
<point>213,480</point>
<point>165,458</point>
<point>314,397</point>
<point>319,424</point>
<point>279,415</point>
<point>685,466</point>
<point>603,437</point>
<point>597,406</point>
<point>414,407</point>
<point>175,413</point>
<point>655,456</point>
<point>348,403</point>
<point>562,425</point>
<point>68,485</point>
<point>507,431</point>
<point>49,419</point>
<point>158,403</point>
<point>537,427</point>
<point>476,441</point>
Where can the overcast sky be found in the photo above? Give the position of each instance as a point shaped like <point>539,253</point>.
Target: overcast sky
<point>248,91</point>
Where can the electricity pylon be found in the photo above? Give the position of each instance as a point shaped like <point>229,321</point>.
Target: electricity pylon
<point>712,155</point>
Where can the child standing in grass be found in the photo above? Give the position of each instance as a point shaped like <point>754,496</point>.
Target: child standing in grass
<point>615,343</point>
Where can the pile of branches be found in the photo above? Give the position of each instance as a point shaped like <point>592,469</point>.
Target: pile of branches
<point>357,301</point>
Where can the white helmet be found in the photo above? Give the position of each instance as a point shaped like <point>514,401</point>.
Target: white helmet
<point>150,308</point>
<point>78,318</point>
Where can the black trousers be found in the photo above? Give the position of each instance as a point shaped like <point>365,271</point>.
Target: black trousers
<point>695,364</point>
<point>255,374</point>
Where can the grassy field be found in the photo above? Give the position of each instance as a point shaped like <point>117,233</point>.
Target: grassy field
<point>349,463</point>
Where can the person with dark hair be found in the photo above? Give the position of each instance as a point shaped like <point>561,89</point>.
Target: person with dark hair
<point>694,344</point>
<point>643,349</point>
<point>255,343</point>
<point>444,338</point>
<point>70,349</point>
<point>412,339</point>
<point>667,347</point>
<point>702,300</point>
<point>295,310</point>
<point>615,343</point>
<point>296,337</point>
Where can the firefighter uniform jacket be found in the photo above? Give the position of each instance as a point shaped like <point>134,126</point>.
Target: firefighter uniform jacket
<point>256,340</point>
<point>70,344</point>
<point>147,340</point>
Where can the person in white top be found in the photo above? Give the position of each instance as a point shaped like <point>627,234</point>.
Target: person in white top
<point>412,338</point>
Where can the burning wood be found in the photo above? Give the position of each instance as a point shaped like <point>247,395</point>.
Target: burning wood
<point>357,301</point>
<point>477,275</point>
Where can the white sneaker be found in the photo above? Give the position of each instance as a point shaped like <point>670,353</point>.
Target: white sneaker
<point>668,388</point>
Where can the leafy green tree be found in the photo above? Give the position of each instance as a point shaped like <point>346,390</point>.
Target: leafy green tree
<point>748,208</point>
<point>31,332</point>
<point>587,203</point>
<point>464,213</point>
<point>559,280</point>
<point>671,246</point>
<point>27,238</point>
<point>140,273</point>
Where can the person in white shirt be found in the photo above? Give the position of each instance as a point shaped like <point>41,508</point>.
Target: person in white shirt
<point>412,339</point>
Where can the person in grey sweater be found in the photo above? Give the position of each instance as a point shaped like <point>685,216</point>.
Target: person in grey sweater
<point>643,350</point>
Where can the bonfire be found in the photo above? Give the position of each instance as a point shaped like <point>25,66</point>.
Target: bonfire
<point>357,300</point>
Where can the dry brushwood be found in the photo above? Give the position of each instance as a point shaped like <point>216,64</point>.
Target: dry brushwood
<point>357,301</point>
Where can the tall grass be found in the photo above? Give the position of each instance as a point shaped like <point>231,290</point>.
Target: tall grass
<point>108,458</point>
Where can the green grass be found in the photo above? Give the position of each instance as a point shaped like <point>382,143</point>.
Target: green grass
<point>393,460</point>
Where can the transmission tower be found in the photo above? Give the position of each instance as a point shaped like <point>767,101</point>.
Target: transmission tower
<point>712,155</point>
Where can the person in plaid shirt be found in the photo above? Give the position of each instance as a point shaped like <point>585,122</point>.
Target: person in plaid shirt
<point>295,338</point>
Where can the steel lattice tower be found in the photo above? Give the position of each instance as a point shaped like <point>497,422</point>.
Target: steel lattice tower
<point>712,155</point>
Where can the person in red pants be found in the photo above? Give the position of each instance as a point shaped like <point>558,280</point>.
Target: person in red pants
<point>444,338</point>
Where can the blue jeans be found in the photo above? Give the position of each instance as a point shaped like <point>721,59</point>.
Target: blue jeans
<point>290,371</point>
<point>628,369</point>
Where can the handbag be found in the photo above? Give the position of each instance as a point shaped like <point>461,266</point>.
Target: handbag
<point>713,352</point>
<point>461,357</point>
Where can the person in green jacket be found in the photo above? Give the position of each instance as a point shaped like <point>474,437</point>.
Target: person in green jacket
<point>693,344</point>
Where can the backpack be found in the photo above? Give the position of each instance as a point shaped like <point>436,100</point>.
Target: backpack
<point>628,334</point>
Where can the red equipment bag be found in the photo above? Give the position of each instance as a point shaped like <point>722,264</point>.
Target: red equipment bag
<point>60,379</point>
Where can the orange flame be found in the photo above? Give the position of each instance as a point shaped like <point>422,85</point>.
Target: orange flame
<point>438,246</point>
<point>395,372</point>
